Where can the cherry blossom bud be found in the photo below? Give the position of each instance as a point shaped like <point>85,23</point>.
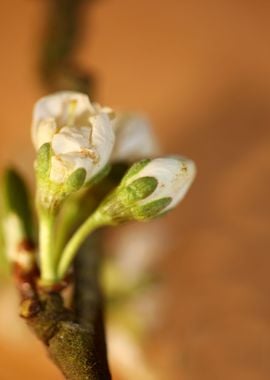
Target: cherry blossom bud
<point>150,188</point>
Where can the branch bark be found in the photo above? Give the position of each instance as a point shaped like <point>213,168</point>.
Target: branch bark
<point>88,299</point>
<point>75,339</point>
<point>58,69</point>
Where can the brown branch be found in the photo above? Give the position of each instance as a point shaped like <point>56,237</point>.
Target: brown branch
<point>88,299</point>
<point>70,346</point>
<point>58,69</point>
<point>75,340</point>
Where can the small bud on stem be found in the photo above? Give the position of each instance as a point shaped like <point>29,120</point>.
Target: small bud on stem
<point>149,188</point>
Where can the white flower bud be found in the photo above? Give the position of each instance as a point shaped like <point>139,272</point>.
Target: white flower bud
<point>80,134</point>
<point>149,189</point>
<point>134,139</point>
<point>174,176</point>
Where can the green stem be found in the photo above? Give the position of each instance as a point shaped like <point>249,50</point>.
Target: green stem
<point>64,228</point>
<point>47,265</point>
<point>95,221</point>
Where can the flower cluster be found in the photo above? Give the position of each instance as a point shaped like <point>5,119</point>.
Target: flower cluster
<point>77,142</point>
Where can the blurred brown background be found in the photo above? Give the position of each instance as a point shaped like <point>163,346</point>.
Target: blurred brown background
<point>200,71</point>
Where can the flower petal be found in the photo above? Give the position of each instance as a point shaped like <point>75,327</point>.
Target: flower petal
<point>71,139</point>
<point>102,140</point>
<point>56,106</point>
<point>44,133</point>
<point>134,139</point>
<point>63,165</point>
<point>62,106</point>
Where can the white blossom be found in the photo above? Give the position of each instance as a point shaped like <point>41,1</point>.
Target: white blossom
<point>80,133</point>
<point>134,138</point>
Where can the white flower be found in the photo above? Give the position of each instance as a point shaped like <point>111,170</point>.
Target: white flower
<point>134,138</point>
<point>80,133</point>
<point>174,176</point>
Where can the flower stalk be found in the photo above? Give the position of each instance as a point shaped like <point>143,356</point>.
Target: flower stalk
<point>149,189</point>
<point>46,251</point>
<point>94,222</point>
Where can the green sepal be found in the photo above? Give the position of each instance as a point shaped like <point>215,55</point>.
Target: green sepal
<point>135,169</point>
<point>152,209</point>
<point>15,199</point>
<point>43,161</point>
<point>75,181</point>
<point>139,189</point>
